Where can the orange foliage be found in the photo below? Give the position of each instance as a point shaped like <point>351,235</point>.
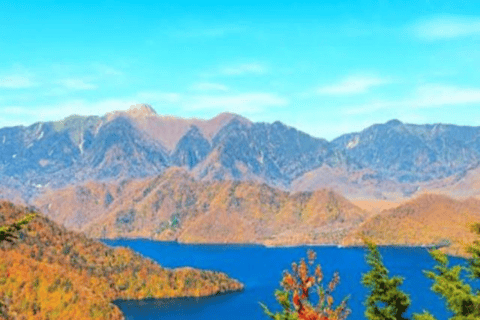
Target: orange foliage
<point>298,283</point>
<point>51,273</point>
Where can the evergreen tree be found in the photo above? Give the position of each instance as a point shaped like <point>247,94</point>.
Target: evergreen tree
<point>459,297</point>
<point>7,233</point>
<point>474,250</point>
<point>386,301</point>
<point>458,294</point>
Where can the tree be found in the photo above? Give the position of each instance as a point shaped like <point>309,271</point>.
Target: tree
<point>7,233</point>
<point>295,296</point>
<point>459,297</point>
<point>385,301</point>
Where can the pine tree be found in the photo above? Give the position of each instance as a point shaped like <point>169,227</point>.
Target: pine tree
<point>458,294</point>
<point>386,301</point>
<point>7,233</point>
<point>459,297</point>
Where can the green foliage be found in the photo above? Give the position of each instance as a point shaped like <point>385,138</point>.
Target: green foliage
<point>458,295</point>
<point>424,316</point>
<point>474,250</point>
<point>386,301</point>
<point>288,313</point>
<point>7,233</point>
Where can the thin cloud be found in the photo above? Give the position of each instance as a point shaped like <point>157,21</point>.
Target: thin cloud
<point>246,68</point>
<point>447,27</point>
<point>209,86</point>
<point>435,95</point>
<point>352,85</point>
<point>247,102</point>
<point>76,84</point>
<point>16,82</point>
<point>108,71</point>
<point>26,115</point>
<point>158,97</point>
<point>426,96</point>
<point>372,107</point>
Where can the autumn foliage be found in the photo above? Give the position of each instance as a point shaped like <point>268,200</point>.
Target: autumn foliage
<point>296,295</point>
<point>48,272</point>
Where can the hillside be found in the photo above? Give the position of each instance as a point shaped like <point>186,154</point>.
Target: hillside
<point>389,161</point>
<point>52,273</point>
<point>426,220</point>
<point>174,206</point>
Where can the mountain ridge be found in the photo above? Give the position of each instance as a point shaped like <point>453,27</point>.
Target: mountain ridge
<point>175,207</point>
<point>390,160</point>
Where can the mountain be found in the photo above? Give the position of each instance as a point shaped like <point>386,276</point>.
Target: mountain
<point>174,206</point>
<point>51,273</point>
<point>168,130</point>
<point>79,148</point>
<point>273,153</point>
<point>411,153</point>
<point>390,161</point>
<point>429,219</point>
<point>395,160</point>
<point>191,149</point>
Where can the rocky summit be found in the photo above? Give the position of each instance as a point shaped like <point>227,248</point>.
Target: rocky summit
<point>384,159</point>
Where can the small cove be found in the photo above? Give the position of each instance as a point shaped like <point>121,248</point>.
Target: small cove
<point>260,269</point>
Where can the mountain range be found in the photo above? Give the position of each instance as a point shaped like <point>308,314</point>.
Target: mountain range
<point>174,206</point>
<point>384,161</point>
<point>228,180</point>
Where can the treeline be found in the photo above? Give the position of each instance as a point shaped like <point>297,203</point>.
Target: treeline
<point>385,300</point>
<point>47,272</point>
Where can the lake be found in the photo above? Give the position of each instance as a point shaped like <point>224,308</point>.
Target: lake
<point>260,269</point>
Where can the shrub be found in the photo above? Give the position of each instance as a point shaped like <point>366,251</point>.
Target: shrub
<point>295,296</point>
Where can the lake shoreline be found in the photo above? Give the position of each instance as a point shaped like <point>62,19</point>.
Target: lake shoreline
<point>260,269</point>
<point>260,244</point>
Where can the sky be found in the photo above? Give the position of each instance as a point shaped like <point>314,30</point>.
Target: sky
<point>323,67</point>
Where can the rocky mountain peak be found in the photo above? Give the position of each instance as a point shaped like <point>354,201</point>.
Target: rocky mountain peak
<point>141,110</point>
<point>394,122</point>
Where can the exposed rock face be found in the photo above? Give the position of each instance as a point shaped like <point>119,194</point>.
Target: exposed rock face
<point>141,110</point>
<point>411,153</point>
<point>385,158</point>
<point>192,149</point>
<point>77,149</point>
<point>275,153</point>
<point>118,149</point>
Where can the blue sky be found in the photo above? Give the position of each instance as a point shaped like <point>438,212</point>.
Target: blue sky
<point>324,67</point>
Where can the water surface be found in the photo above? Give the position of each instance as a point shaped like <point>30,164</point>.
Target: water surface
<point>260,269</point>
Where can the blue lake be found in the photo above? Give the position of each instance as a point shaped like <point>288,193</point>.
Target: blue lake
<point>260,269</point>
